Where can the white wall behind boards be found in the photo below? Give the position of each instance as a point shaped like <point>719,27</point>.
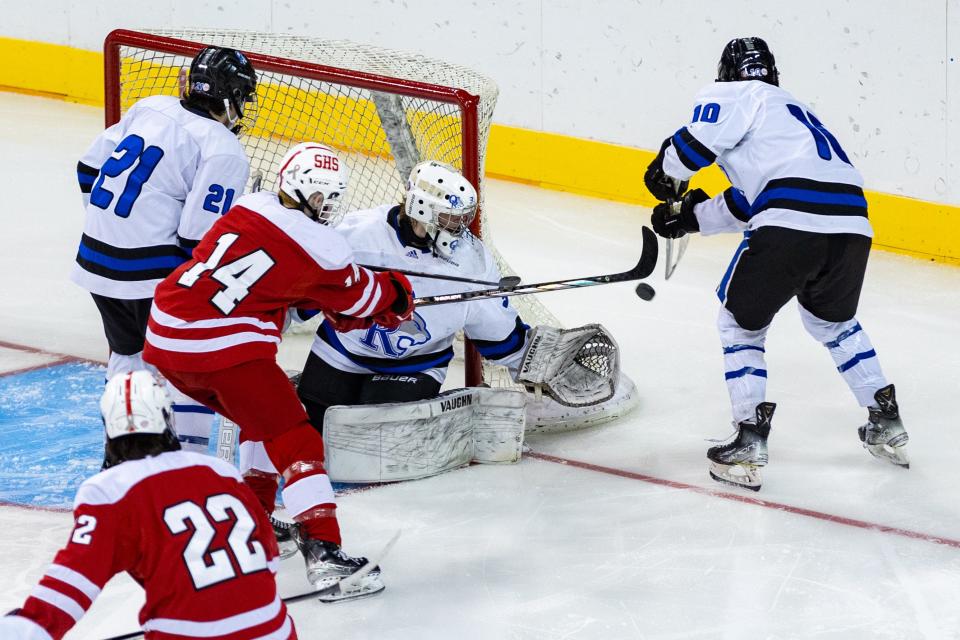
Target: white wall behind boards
<point>882,76</point>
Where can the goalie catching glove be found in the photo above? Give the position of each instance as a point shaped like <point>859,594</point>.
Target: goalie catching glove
<point>576,367</point>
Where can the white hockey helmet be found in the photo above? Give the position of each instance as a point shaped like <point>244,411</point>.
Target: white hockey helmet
<point>136,403</point>
<point>440,198</point>
<point>313,175</point>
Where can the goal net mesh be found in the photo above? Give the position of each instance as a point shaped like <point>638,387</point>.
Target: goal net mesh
<point>380,133</point>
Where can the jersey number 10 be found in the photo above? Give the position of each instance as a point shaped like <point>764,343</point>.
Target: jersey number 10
<point>823,138</point>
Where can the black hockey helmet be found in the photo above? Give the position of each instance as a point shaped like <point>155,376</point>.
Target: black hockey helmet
<point>747,59</point>
<point>219,76</point>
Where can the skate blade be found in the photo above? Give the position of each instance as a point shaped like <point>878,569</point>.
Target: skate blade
<point>339,593</point>
<point>738,475</point>
<point>894,455</point>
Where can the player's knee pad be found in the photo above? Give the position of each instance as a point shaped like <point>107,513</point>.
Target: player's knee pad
<point>734,333</point>
<point>824,331</point>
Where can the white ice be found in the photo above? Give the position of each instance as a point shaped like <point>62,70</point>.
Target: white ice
<point>542,550</point>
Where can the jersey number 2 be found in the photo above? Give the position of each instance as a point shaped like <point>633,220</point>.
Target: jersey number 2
<point>206,566</point>
<point>130,151</point>
<point>237,276</point>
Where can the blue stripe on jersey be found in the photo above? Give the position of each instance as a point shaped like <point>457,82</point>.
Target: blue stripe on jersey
<point>193,439</point>
<point>843,336</point>
<point>739,373</point>
<point>737,204</point>
<point>129,264</point>
<point>743,347</point>
<point>412,364</point>
<point>496,349</point>
<point>841,199</point>
<point>692,153</point>
<point>852,362</point>
<point>811,196</point>
<point>192,408</point>
<point>725,281</point>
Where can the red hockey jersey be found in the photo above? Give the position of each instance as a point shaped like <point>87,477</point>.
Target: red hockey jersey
<point>229,303</point>
<point>186,528</point>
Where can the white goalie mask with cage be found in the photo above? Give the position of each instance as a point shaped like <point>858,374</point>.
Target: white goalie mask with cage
<point>313,175</point>
<point>443,201</point>
<point>136,403</point>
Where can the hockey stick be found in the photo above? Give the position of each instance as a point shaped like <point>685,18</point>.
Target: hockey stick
<point>670,261</point>
<point>506,282</point>
<point>344,585</point>
<point>648,260</point>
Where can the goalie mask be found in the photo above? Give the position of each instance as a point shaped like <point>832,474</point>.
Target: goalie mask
<point>443,201</point>
<point>313,176</point>
<point>747,59</point>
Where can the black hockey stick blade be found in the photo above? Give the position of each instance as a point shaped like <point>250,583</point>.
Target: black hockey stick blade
<point>643,268</point>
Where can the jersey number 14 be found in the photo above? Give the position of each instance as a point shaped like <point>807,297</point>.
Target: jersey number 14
<point>237,276</point>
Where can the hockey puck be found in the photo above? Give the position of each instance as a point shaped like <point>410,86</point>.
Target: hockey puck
<point>509,282</point>
<point>645,291</point>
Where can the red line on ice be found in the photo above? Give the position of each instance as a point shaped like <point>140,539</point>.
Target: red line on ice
<point>735,497</point>
<point>58,358</point>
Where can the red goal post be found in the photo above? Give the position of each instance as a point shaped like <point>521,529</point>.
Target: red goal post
<point>385,110</point>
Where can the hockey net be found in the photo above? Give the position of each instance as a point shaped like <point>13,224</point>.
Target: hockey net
<point>383,110</point>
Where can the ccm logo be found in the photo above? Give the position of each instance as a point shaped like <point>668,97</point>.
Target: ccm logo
<point>321,161</point>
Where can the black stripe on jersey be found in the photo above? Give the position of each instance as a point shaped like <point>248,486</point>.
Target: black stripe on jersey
<point>186,243</point>
<point>86,176</point>
<point>128,265</point>
<point>691,152</point>
<point>497,349</point>
<point>737,204</point>
<point>811,196</point>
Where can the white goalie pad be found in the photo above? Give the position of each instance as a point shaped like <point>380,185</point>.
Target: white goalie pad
<point>575,367</point>
<point>545,415</point>
<point>410,440</point>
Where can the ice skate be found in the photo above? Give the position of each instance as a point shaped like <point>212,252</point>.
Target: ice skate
<point>284,533</point>
<point>327,565</point>
<point>883,435</point>
<point>738,461</point>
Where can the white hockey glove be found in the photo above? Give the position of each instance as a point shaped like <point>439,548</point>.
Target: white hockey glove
<point>576,367</point>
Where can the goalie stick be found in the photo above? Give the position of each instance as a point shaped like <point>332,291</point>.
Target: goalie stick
<point>643,268</point>
<point>506,282</point>
<point>344,585</point>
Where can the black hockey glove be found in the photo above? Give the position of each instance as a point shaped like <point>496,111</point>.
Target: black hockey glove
<point>676,219</point>
<point>662,186</point>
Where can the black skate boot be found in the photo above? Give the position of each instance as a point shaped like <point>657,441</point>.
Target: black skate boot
<point>883,435</point>
<point>737,462</point>
<point>283,531</point>
<point>328,566</point>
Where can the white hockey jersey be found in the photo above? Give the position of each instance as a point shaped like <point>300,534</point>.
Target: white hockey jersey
<point>153,184</point>
<point>425,342</point>
<point>786,168</point>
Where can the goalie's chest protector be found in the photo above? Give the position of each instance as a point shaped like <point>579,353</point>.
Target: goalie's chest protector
<point>425,341</point>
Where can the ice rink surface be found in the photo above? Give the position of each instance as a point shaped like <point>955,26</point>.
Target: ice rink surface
<point>616,531</point>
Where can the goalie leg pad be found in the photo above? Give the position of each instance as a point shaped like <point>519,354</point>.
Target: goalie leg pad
<point>411,440</point>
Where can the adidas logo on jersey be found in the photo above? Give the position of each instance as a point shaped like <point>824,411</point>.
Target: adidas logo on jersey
<point>413,254</point>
